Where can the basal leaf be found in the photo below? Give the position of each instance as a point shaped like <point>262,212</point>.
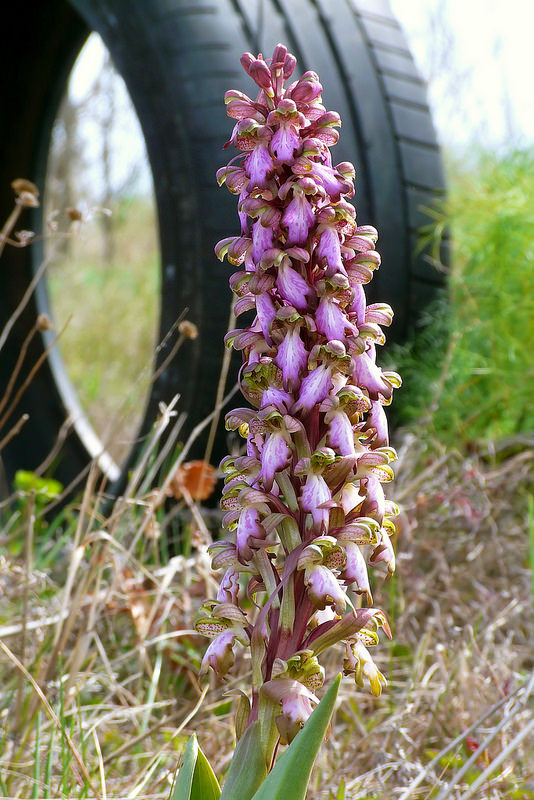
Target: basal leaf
<point>247,769</point>
<point>290,777</point>
<point>195,779</point>
<point>183,782</point>
<point>205,784</point>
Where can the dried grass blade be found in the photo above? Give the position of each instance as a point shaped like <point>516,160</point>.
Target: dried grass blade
<point>53,716</point>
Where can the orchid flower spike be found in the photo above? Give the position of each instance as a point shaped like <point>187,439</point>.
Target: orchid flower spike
<point>304,504</point>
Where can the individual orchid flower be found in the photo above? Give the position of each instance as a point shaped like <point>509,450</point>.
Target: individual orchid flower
<point>296,702</point>
<point>323,586</point>
<point>304,505</point>
<point>298,216</point>
<point>286,141</point>
<point>359,662</point>
<point>292,286</point>
<point>323,361</point>
<point>292,356</point>
<point>225,625</point>
<point>276,450</point>
<point>331,317</point>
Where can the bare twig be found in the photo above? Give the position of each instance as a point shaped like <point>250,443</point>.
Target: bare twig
<point>16,369</point>
<point>26,296</point>
<point>9,224</point>
<point>42,358</point>
<point>14,431</point>
<point>225,366</point>
<point>497,761</point>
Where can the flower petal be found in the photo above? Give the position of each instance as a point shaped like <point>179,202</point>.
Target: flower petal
<point>229,587</point>
<point>248,528</point>
<point>262,240</point>
<point>298,218</point>
<point>329,248</point>
<point>324,589</point>
<point>341,433</point>
<point>220,655</point>
<point>275,456</point>
<point>293,287</point>
<point>259,166</point>
<point>374,505</point>
<point>266,313</point>
<point>369,376</point>
<point>355,570</point>
<point>292,358</point>
<point>333,181</point>
<point>277,397</point>
<point>314,493</point>
<point>314,388</point>
<point>377,423</point>
<point>284,143</point>
<point>358,304</point>
<point>331,320</point>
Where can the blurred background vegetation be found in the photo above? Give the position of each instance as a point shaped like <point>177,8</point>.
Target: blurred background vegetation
<point>468,370</point>
<point>105,278</point>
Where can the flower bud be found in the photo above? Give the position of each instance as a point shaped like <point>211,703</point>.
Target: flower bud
<point>43,323</point>
<point>188,329</point>
<point>22,186</point>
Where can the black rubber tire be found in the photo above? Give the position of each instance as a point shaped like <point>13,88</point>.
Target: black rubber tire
<point>177,58</point>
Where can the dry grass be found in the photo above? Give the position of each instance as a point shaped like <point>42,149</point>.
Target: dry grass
<point>462,612</point>
<point>105,632</point>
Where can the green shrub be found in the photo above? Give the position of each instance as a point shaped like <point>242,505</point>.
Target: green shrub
<point>469,369</point>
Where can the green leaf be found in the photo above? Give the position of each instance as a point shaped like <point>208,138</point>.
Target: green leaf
<point>341,791</point>
<point>205,784</point>
<point>291,774</point>
<point>247,768</point>
<point>195,779</point>
<point>44,488</point>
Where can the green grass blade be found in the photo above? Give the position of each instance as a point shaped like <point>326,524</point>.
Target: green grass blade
<point>49,762</point>
<point>291,774</point>
<point>531,542</point>
<point>37,759</point>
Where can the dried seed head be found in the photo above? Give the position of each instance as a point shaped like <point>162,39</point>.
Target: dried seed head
<point>26,191</point>
<point>21,185</point>
<point>44,323</point>
<point>24,237</point>
<point>188,329</point>
<point>27,200</point>
<point>74,214</point>
<point>153,500</point>
<point>152,529</point>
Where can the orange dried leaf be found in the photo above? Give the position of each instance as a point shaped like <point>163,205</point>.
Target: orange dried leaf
<point>197,478</point>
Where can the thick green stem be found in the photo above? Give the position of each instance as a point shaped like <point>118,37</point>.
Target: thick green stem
<point>286,487</point>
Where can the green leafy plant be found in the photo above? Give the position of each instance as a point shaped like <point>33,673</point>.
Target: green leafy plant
<point>469,366</point>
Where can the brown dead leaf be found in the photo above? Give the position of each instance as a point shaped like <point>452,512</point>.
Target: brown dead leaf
<point>197,478</point>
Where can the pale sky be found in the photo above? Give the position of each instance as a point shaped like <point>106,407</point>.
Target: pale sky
<point>479,56</point>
